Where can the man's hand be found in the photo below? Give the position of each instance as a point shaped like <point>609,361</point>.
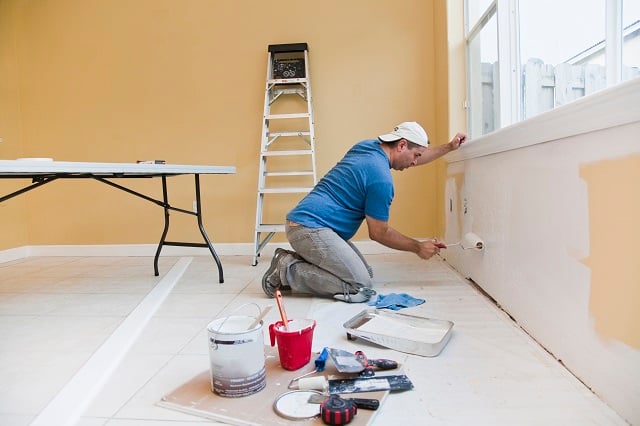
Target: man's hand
<point>457,140</point>
<point>429,248</point>
<point>434,152</point>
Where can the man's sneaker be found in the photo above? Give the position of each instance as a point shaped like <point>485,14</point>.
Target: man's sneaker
<point>271,279</point>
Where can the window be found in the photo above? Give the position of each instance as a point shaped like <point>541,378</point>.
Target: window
<point>475,9</point>
<point>482,60</point>
<point>525,57</point>
<point>630,38</point>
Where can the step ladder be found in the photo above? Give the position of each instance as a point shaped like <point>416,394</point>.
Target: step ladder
<point>287,152</point>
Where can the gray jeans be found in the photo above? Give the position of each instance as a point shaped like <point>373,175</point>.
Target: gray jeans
<point>329,265</point>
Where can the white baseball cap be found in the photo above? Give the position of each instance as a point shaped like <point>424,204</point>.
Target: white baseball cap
<point>409,130</point>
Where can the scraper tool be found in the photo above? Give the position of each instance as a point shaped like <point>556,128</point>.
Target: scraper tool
<point>347,362</point>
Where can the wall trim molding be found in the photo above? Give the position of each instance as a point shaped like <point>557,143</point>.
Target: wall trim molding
<point>614,106</point>
<point>14,254</point>
<point>133,250</point>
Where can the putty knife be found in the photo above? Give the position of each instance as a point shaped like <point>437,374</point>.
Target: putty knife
<point>345,362</point>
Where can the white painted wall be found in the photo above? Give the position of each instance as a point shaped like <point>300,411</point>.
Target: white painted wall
<point>530,206</point>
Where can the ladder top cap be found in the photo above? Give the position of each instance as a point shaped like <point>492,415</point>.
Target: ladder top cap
<point>291,47</point>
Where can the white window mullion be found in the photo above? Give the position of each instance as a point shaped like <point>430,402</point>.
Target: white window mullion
<point>613,42</point>
<point>508,58</point>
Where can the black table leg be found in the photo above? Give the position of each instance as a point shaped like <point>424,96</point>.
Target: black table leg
<point>204,233</point>
<point>198,214</point>
<point>165,206</point>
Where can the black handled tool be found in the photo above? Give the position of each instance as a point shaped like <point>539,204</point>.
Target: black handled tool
<point>382,364</point>
<point>370,384</point>
<point>363,403</point>
<point>366,403</point>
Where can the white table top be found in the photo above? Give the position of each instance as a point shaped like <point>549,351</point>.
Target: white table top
<point>9,168</point>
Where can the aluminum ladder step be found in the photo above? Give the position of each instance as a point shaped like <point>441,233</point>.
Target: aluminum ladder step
<point>270,227</point>
<point>290,173</point>
<point>287,116</point>
<point>287,80</point>
<point>288,134</point>
<point>286,190</point>
<point>288,87</point>
<point>285,153</point>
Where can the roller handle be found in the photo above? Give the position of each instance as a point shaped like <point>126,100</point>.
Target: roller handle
<point>321,360</point>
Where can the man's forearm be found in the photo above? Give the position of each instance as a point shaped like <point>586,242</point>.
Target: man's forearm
<point>435,152</point>
<point>398,241</point>
<point>381,232</point>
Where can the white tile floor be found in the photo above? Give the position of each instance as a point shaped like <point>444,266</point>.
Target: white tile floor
<point>57,313</point>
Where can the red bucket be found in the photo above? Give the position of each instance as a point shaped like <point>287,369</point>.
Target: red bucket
<point>294,344</point>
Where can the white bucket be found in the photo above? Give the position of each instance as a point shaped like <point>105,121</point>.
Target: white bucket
<point>237,356</point>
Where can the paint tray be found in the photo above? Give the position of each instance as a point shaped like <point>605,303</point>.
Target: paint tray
<point>404,333</point>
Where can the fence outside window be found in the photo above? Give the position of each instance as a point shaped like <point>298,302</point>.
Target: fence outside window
<point>544,87</point>
<point>519,66</point>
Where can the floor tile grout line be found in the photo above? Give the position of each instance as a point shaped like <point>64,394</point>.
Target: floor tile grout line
<point>71,402</point>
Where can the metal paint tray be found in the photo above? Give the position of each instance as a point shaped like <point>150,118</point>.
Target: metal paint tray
<point>404,333</point>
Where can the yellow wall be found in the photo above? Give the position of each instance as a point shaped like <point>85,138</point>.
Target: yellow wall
<point>13,226</point>
<point>450,90</point>
<point>183,81</point>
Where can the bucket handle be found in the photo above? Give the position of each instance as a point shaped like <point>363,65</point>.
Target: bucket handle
<point>233,312</point>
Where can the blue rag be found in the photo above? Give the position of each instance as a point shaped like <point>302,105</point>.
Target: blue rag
<point>395,301</point>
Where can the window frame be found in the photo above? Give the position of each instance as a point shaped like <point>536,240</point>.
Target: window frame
<point>510,99</point>
<point>610,107</point>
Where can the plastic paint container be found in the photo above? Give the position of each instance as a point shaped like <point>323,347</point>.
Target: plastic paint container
<point>294,343</point>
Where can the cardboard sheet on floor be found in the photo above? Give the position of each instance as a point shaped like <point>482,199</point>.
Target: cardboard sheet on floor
<point>196,398</point>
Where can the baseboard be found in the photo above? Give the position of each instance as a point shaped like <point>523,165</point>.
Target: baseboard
<point>133,250</point>
<point>12,254</point>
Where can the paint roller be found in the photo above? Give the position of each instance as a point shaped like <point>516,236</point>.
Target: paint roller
<point>469,241</point>
<point>313,383</point>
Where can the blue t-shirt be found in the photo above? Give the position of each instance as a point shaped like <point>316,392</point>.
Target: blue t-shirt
<point>360,184</point>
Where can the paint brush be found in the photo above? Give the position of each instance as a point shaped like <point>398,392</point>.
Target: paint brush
<point>283,314</point>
